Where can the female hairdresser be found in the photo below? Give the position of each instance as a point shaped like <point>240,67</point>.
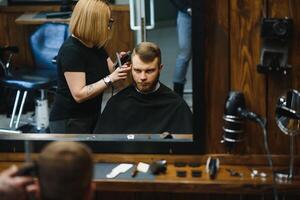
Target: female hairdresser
<point>84,69</point>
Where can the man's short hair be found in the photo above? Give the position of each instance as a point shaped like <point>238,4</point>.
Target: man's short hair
<point>147,52</point>
<point>90,21</point>
<point>65,171</point>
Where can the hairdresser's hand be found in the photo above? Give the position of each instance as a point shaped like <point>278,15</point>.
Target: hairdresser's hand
<point>13,187</point>
<point>120,73</point>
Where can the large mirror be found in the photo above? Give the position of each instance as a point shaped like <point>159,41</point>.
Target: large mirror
<point>165,34</point>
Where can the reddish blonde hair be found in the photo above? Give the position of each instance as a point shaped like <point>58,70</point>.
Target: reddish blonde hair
<point>89,22</point>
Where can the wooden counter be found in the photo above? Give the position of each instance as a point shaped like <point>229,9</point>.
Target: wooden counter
<point>223,184</point>
<point>170,183</point>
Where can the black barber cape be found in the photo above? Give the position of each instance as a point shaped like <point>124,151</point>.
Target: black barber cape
<point>131,112</point>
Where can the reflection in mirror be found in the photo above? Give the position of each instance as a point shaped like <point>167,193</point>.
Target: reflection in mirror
<point>148,106</point>
<point>126,114</point>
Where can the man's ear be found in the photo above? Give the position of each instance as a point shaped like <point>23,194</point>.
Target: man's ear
<point>161,66</point>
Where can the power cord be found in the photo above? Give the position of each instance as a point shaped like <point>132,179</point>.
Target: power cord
<point>262,122</point>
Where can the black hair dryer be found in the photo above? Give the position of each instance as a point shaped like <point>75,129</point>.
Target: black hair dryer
<point>235,113</point>
<point>233,129</point>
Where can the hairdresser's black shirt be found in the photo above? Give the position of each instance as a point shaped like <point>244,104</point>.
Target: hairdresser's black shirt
<point>130,111</point>
<point>73,56</point>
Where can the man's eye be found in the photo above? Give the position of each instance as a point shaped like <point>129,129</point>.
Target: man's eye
<point>150,71</point>
<point>137,70</point>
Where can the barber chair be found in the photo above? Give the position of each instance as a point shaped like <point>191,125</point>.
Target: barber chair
<point>44,44</point>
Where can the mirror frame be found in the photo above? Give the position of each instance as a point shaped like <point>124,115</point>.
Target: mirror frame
<point>163,146</point>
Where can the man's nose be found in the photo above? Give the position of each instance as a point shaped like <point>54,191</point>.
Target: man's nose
<point>143,76</point>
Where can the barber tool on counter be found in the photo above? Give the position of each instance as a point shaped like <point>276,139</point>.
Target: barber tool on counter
<point>158,167</point>
<point>140,167</point>
<point>256,173</point>
<point>212,167</point>
<point>234,173</point>
<point>121,168</point>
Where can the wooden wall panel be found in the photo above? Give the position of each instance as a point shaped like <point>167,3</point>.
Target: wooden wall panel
<point>245,16</point>
<point>16,35</point>
<point>295,54</point>
<point>216,70</point>
<point>3,27</point>
<point>278,83</point>
<point>122,37</point>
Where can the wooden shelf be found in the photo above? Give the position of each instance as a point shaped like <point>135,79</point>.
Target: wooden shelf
<point>30,19</point>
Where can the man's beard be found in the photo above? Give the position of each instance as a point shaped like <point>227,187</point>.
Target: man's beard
<point>146,88</point>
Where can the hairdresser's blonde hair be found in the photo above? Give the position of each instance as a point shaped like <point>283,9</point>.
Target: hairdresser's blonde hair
<point>90,20</point>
